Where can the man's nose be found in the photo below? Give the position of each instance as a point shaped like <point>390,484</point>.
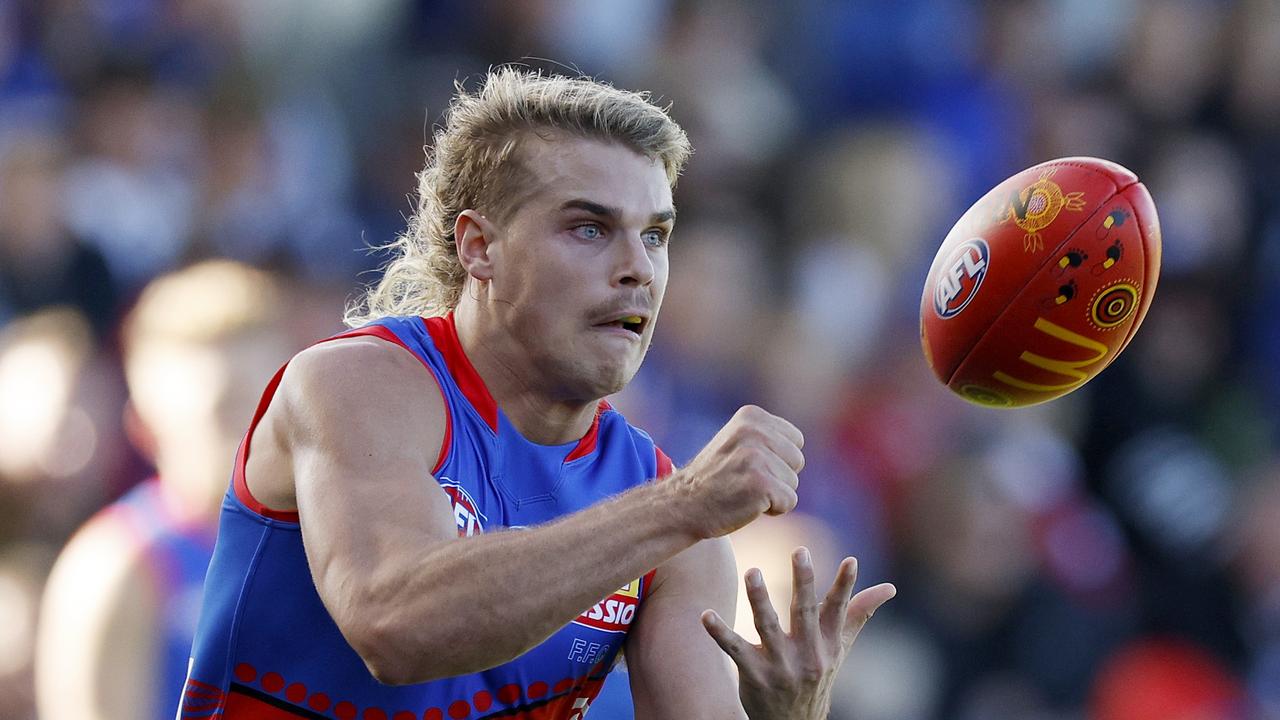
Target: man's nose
<point>635,266</point>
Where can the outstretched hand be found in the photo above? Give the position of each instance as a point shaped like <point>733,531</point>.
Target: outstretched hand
<point>789,675</point>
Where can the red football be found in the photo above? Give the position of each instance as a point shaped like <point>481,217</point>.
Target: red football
<point>1042,283</point>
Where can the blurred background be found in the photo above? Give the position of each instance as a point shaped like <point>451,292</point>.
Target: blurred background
<point>1114,555</point>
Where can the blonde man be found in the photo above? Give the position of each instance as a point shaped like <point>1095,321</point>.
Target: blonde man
<point>120,609</point>
<point>436,514</point>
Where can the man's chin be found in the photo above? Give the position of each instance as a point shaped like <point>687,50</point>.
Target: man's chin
<point>593,375</point>
<point>604,387</point>
<point>606,381</point>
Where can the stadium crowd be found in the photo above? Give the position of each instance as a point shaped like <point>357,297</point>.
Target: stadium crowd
<point>1114,555</point>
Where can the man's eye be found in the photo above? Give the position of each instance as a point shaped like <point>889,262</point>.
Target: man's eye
<point>589,232</point>
<point>655,237</point>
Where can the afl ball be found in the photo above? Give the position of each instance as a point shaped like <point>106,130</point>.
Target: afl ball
<point>1041,283</point>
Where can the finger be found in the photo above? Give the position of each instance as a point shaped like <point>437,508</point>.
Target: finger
<point>733,644</point>
<point>766,618</point>
<point>783,440</point>
<point>781,449</point>
<point>804,602</point>
<point>790,432</point>
<point>773,423</point>
<point>831,617</point>
<point>862,607</point>
<point>778,469</point>
<point>787,450</point>
<point>782,500</point>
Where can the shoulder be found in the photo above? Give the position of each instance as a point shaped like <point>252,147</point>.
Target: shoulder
<point>347,380</point>
<point>105,558</point>
<point>354,357</point>
<point>354,365</point>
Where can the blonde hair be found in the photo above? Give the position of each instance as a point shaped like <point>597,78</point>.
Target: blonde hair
<point>474,165</point>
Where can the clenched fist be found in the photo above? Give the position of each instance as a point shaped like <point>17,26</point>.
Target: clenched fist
<point>750,467</point>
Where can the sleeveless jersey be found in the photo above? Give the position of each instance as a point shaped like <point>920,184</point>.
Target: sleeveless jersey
<point>267,648</point>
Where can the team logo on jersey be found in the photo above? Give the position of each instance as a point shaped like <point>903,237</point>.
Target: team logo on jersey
<point>961,276</point>
<point>469,518</point>
<point>614,613</point>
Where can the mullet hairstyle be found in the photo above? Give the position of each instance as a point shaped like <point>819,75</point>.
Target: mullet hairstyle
<point>475,164</point>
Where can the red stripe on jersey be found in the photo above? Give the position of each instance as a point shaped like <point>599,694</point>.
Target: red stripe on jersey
<point>564,706</point>
<point>246,707</point>
<point>646,584</point>
<point>242,456</point>
<point>250,704</point>
<point>201,700</point>
<point>444,333</point>
<point>587,444</point>
<point>665,466</point>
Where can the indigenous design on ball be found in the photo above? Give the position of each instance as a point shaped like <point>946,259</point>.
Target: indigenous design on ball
<point>1036,206</point>
<point>1113,304</point>
<point>1066,292</point>
<point>1114,252</point>
<point>961,277</point>
<point>1115,219</point>
<point>1070,260</point>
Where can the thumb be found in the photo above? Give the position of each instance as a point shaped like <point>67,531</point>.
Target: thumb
<point>862,606</point>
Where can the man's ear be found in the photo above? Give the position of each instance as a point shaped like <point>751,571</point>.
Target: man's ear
<point>473,234</point>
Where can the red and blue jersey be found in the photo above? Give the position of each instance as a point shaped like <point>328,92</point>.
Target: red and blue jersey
<point>267,648</point>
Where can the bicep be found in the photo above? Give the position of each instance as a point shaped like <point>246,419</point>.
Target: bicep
<point>677,670</point>
<point>362,428</point>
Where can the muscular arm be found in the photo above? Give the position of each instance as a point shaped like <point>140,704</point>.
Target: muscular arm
<point>358,424</point>
<point>677,670</point>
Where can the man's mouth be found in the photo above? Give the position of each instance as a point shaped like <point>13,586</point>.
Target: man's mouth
<point>631,323</point>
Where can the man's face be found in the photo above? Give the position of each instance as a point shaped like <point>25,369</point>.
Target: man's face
<point>580,259</point>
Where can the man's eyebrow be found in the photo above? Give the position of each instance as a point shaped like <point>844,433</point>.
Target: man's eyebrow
<point>613,213</point>
<point>593,208</point>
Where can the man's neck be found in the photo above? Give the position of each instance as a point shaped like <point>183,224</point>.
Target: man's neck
<point>531,407</point>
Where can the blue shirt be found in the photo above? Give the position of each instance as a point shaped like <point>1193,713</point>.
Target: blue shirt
<point>267,648</point>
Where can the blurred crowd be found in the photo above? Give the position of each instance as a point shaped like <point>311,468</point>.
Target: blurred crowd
<point>1114,555</point>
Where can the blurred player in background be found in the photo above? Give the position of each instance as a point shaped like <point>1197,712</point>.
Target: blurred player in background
<point>120,609</point>
<point>468,401</point>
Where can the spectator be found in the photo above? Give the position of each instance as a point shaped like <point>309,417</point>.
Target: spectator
<point>120,610</point>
